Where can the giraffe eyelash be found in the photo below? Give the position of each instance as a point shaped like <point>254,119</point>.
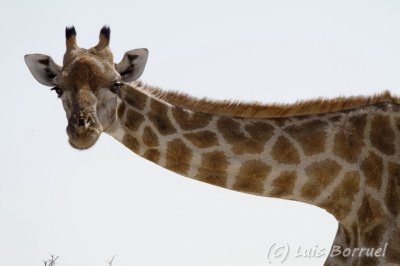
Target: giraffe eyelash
<point>58,91</point>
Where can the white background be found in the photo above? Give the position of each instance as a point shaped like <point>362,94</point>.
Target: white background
<point>87,206</point>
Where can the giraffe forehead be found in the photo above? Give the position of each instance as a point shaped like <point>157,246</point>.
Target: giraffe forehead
<point>88,70</point>
<point>103,55</point>
<point>87,65</point>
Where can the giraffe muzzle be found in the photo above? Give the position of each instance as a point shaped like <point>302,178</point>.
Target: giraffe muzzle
<point>82,124</point>
<point>83,131</point>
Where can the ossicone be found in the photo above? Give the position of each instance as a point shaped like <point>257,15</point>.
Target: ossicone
<point>104,38</point>
<point>70,31</point>
<point>70,36</point>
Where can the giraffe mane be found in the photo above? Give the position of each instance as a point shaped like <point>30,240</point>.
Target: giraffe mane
<point>257,109</point>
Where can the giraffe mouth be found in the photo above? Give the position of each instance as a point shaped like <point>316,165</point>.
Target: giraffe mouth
<point>85,140</point>
<point>83,131</point>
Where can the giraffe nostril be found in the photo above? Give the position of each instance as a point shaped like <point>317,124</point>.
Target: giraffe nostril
<point>81,122</point>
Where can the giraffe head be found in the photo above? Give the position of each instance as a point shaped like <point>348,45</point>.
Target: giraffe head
<point>87,84</point>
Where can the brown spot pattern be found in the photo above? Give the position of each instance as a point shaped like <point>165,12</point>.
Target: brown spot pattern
<point>320,175</point>
<point>392,197</point>
<point>338,241</point>
<point>282,121</point>
<point>178,156</point>
<point>372,167</point>
<point>382,135</point>
<point>158,115</point>
<point>134,97</point>
<point>335,118</point>
<point>349,141</point>
<point>230,130</point>
<point>393,249</point>
<point>371,222</point>
<point>346,235</point>
<point>259,131</point>
<point>213,168</point>
<point>131,143</point>
<point>202,139</point>
<point>149,137</point>
<point>284,152</point>
<point>283,185</point>
<point>310,135</point>
<point>354,229</point>
<point>368,261</point>
<point>121,110</point>
<point>133,120</point>
<point>152,155</point>
<point>189,120</point>
<point>395,107</point>
<point>340,201</point>
<point>251,176</point>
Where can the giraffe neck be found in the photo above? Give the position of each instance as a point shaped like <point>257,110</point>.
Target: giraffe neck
<point>313,159</point>
<point>346,162</point>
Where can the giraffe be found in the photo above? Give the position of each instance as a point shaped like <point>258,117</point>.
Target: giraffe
<point>342,154</point>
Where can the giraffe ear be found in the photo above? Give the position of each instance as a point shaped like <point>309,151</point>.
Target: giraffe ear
<point>132,65</point>
<point>42,68</point>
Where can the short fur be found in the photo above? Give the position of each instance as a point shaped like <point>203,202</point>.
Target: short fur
<point>257,109</point>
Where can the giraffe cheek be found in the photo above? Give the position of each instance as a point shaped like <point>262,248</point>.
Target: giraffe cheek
<point>106,108</point>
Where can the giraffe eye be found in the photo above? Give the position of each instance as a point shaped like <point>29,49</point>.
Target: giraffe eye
<point>116,86</point>
<point>58,91</point>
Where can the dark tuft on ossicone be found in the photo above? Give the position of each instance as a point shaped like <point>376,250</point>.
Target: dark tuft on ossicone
<point>70,31</point>
<point>105,31</point>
